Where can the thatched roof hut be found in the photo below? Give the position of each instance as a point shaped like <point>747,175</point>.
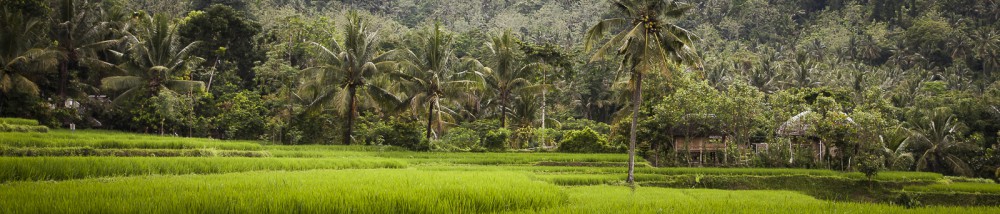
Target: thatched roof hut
<point>799,125</point>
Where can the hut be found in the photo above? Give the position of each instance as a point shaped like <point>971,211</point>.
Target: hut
<point>799,127</point>
<point>702,137</point>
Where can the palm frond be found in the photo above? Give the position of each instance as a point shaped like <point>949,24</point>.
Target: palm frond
<point>596,33</point>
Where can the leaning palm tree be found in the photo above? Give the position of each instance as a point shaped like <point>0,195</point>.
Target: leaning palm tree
<point>155,62</point>
<point>506,75</point>
<point>432,72</point>
<point>20,53</point>
<point>648,41</point>
<point>81,35</point>
<point>934,139</point>
<point>349,66</point>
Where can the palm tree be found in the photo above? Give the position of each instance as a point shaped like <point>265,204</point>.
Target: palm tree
<point>506,75</point>
<point>155,62</point>
<point>433,72</point>
<point>649,41</point>
<point>935,139</point>
<point>80,34</point>
<point>348,67</point>
<point>20,53</point>
<point>987,48</point>
<point>550,60</point>
<point>895,143</point>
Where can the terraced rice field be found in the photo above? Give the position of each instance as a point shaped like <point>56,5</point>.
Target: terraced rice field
<point>370,179</point>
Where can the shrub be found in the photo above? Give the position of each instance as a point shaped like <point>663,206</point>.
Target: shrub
<point>458,139</point>
<point>869,165</point>
<point>496,140</point>
<point>403,134</point>
<point>243,116</point>
<point>523,138</point>
<point>907,200</point>
<point>585,141</point>
<point>580,124</point>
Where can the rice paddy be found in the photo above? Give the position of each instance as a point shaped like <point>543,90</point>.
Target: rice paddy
<point>131,173</point>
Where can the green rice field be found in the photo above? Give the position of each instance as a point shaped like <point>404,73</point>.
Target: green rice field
<point>133,173</point>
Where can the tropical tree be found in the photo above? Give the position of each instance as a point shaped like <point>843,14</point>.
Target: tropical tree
<point>550,61</point>
<point>646,41</point>
<point>433,72</point>
<point>349,66</point>
<point>81,31</point>
<point>505,75</point>
<point>986,47</point>
<point>20,38</point>
<point>156,62</point>
<point>935,139</point>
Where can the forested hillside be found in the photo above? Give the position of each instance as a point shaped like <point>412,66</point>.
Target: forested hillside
<point>891,84</point>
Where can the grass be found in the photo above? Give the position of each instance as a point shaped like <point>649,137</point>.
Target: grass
<point>87,151</point>
<point>961,187</point>
<point>63,168</point>
<point>617,171</point>
<point>403,191</point>
<point>326,148</point>
<point>619,199</point>
<point>323,191</point>
<point>19,121</point>
<point>64,165</point>
<point>118,140</point>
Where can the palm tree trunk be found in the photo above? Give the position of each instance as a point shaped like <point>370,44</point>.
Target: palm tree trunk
<point>63,73</point>
<point>439,129</point>
<point>430,116</point>
<point>351,111</point>
<point>503,111</point>
<point>636,99</point>
<point>544,140</point>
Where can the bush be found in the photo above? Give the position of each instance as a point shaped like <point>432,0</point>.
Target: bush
<point>243,116</point>
<point>869,165</point>
<point>585,141</point>
<point>394,132</point>
<point>907,200</point>
<point>458,139</point>
<point>523,138</point>
<point>496,140</point>
<point>581,124</point>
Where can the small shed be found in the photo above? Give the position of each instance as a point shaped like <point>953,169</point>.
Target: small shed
<point>702,137</point>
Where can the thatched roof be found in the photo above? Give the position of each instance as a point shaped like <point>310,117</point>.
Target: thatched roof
<point>799,126</point>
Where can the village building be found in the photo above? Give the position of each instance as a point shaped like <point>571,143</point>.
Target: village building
<point>799,130</point>
<point>701,136</point>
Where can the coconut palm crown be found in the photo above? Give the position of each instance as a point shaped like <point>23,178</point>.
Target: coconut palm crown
<point>646,41</point>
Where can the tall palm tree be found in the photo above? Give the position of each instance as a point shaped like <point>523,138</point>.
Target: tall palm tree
<point>80,34</point>
<point>550,60</point>
<point>505,75</point>
<point>155,62</point>
<point>349,66</point>
<point>433,72</point>
<point>21,54</point>
<point>649,41</point>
